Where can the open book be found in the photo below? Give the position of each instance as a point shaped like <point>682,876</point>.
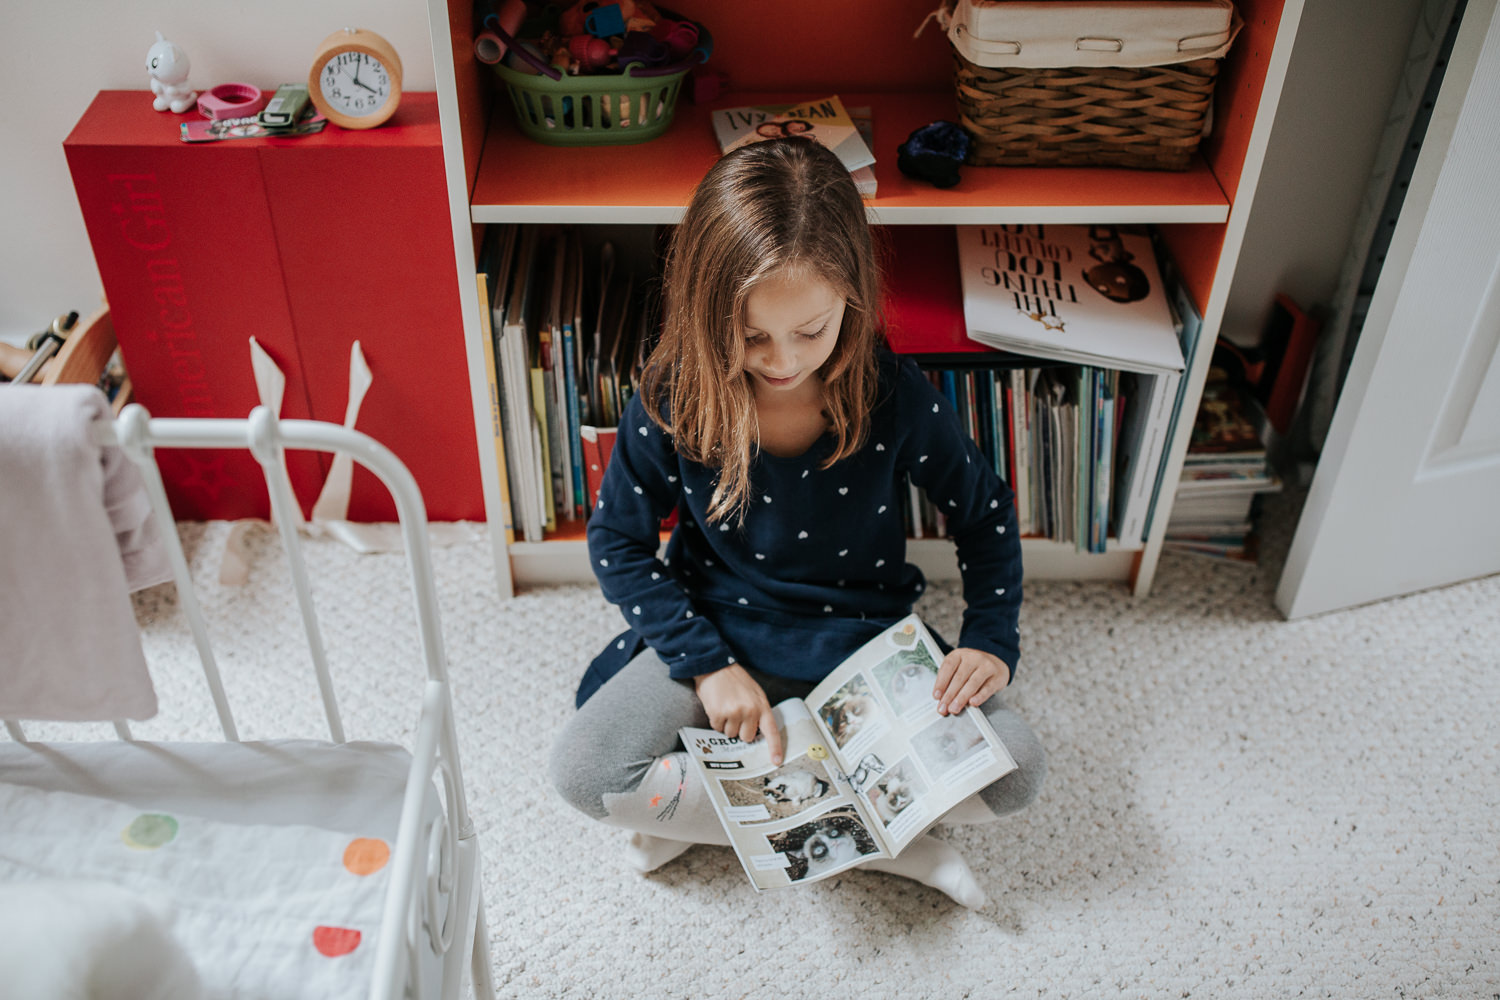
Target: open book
<point>869,765</point>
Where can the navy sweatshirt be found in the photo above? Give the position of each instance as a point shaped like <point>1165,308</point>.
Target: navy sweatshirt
<point>819,566</point>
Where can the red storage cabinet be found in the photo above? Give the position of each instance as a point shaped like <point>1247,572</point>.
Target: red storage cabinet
<point>307,244</point>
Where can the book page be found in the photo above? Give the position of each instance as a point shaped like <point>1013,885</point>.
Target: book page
<point>907,763</point>
<point>789,825</point>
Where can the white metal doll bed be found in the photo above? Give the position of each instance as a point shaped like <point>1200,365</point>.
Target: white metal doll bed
<point>311,867</point>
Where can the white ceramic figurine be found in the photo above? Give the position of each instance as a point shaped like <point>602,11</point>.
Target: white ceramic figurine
<point>168,66</point>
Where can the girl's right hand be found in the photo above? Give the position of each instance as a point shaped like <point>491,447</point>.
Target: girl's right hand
<point>737,706</point>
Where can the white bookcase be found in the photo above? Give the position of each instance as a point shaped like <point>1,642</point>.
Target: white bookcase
<point>864,51</point>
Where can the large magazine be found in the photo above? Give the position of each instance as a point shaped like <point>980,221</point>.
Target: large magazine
<point>1089,295</point>
<point>869,765</point>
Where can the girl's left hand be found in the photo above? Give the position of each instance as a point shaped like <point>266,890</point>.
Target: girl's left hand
<point>968,677</point>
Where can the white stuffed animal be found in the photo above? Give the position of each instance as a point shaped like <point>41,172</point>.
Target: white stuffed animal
<point>169,66</point>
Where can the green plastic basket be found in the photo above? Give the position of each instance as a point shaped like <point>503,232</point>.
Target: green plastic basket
<point>604,110</point>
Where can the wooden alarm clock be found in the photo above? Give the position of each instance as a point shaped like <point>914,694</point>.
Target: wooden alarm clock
<point>355,79</point>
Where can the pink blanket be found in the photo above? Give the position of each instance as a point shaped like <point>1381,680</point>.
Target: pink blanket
<point>76,536</point>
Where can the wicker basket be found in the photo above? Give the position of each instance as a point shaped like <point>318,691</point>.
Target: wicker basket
<point>1148,117</point>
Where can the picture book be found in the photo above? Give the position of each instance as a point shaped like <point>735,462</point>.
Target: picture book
<point>825,120</point>
<point>1089,295</point>
<point>1229,420</point>
<point>598,446</point>
<point>869,765</point>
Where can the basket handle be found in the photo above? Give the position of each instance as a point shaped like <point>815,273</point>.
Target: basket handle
<point>696,57</point>
<point>492,25</point>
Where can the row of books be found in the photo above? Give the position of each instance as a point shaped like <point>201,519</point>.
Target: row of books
<point>565,327</point>
<point>1080,444</point>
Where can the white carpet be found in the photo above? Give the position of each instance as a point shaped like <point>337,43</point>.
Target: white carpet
<point>1237,806</point>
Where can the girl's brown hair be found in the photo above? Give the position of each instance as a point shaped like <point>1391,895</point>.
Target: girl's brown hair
<point>761,209</point>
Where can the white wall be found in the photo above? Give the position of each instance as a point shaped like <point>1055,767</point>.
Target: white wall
<point>1339,86</point>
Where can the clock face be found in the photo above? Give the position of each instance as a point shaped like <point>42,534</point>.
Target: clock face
<point>355,83</point>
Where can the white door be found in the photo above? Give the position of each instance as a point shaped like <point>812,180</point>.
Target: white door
<point>1407,491</point>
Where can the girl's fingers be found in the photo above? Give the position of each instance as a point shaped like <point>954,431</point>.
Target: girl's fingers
<point>945,674</point>
<point>975,683</point>
<point>773,735</point>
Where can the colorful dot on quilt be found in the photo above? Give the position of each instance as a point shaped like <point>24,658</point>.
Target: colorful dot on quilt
<point>366,855</point>
<point>335,941</point>
<point>148,831</point>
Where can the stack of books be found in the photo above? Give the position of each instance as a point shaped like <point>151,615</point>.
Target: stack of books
<point>1223,474</point>
<point>846,131</point>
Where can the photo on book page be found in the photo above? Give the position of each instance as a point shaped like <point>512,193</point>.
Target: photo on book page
<point>837,839</point>
<point>907,680</point>
<point>951,747</point>
<point>797,786</point>
<point>893,793</point>
<point>854,718</point>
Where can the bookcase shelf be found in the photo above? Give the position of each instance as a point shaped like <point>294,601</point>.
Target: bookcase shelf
<point>521,181</point>
<point>497,175</point>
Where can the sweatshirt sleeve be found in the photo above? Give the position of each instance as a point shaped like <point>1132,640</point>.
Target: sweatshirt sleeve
<point>980,511</point>
<point>641,486</point>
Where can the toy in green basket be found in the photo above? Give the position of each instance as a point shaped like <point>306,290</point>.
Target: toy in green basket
<point>571,84</point>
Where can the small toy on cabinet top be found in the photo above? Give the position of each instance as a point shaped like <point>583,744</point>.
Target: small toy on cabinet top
<point>169,66</point>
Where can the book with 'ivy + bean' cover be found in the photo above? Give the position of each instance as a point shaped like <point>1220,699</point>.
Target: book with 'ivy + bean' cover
<point>824,120</point>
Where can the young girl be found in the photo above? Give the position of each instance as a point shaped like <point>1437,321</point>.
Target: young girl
<point>776,422</point>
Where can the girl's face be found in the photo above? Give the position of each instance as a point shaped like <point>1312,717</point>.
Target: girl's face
<point>792,322</point>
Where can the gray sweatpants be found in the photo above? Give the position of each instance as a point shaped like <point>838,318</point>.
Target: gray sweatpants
<point>627,732</point>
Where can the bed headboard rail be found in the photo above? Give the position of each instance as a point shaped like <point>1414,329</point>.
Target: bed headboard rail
<point>268,438</point>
